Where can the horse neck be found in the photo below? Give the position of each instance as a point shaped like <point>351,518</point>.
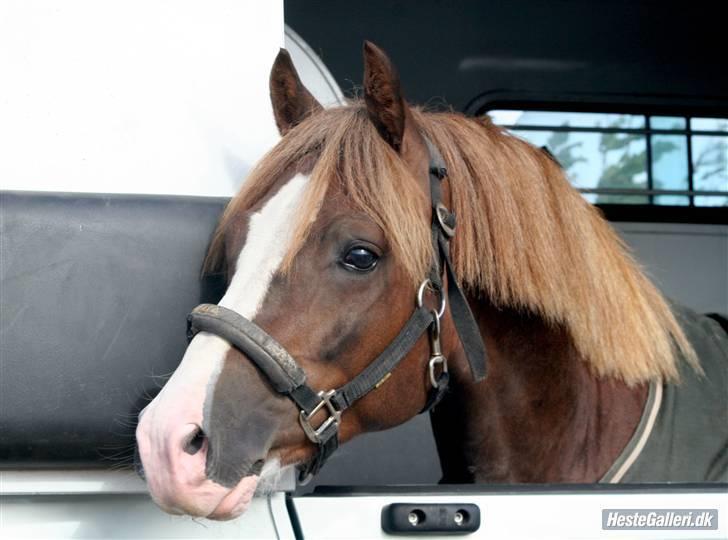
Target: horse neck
<point>540,415</point>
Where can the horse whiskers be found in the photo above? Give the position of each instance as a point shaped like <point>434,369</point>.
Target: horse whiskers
<point>160,375</point>
<point>124,422</point>
<point>125,457</point>
<point>130,416</point>
<point>119,467</point>
<point>160,380</point>
<point>130,445</point>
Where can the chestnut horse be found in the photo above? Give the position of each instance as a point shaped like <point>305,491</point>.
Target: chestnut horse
<point>343,315</point>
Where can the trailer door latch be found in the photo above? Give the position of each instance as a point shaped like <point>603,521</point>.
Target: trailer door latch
<point>428,518</point>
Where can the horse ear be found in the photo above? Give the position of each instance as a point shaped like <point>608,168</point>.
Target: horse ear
<point>383,95</point>
<point>291,101</point>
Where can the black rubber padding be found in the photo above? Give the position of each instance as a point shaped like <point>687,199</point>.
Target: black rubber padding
<point>95,291</point>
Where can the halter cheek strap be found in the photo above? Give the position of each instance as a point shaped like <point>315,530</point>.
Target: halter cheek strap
<point>443,230</point>
<point>288,378</point>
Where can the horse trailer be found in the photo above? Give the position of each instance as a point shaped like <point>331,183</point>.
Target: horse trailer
<point>520,229</point>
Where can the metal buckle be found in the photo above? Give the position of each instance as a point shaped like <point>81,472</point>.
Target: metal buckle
<point>434,360</point>
<point>314,434</point>
<point>436,356</point>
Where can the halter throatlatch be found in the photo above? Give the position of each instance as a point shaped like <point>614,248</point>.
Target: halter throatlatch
<point>288,378</point>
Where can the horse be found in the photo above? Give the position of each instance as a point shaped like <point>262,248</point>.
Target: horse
<point>382,260</point>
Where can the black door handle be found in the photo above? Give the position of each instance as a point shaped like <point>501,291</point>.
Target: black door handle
<point>414,518</point>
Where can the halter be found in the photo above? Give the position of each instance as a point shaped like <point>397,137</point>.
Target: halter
<point>288,378</point>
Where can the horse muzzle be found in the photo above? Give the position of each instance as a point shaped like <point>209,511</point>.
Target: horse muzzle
<point>173,462</point>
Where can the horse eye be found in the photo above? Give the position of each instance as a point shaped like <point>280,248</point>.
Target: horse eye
<point>360,259</point>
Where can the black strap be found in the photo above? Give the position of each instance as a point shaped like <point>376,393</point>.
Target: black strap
<point>329,445</point>
<point>272,358</point>
<point>465,324</point>
<point>282,371</point>
<point>306,399</point>
<point>383,364</point>
<point>443,226</point>
<point>436,393</point>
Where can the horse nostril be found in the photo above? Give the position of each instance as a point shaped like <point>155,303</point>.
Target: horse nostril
<point>194,441</point>
<point>257,467</point>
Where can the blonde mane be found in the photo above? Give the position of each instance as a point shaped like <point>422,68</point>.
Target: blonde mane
<point>525,239</point>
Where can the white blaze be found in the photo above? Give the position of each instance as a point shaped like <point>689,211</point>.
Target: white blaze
<point>172,474</point>
<point>269,235</point>
<point>270,231</point>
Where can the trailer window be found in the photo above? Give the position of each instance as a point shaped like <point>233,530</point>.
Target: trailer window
<point>632,158</point>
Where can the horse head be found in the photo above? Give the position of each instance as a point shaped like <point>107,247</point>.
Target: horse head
<point>335,320</point>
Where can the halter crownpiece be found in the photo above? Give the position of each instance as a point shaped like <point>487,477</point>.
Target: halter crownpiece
<point>288,378</point>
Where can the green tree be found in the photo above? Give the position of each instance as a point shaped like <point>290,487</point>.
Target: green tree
<point>710,170</point>
<point>622,173</point>
<point>559,145</point>
<point>630,165</point>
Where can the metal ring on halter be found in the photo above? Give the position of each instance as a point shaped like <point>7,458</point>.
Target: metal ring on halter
<point>436,356</point>
<point>421,294</point>
<point>434,361</point>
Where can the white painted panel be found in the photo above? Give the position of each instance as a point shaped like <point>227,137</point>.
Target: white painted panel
<point>558,515</point>
<point>91,481</point>
<point>131,516</point>
<point>169,96</point>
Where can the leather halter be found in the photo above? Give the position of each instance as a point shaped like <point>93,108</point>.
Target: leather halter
<point>288,378</point>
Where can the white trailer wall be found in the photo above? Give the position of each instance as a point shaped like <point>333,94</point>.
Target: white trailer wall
<point>169,96</point>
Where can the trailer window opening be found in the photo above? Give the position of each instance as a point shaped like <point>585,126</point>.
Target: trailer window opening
<point>632,158</point>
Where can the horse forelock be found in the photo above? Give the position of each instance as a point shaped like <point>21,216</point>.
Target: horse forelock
<point>525,239</point>
<point>348,162</point>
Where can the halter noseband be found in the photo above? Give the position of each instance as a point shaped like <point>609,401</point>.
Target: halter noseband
<point>288,378</point>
